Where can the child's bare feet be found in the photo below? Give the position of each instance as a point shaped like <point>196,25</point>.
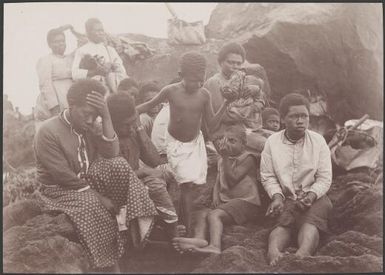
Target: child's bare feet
<point>210,249</point>
<point>188,244</point>
<point>275,256</point>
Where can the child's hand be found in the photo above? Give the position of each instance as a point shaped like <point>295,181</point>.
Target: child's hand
<point>223,148</point>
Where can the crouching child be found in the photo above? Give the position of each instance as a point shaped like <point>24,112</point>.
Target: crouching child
<point>237,196</point>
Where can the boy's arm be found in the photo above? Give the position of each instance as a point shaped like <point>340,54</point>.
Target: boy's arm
<point>235,174</point>
<point>159,98</point>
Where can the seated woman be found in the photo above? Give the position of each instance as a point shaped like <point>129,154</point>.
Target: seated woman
<point>81,175</point>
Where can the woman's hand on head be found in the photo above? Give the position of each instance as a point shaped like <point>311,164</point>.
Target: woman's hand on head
<point>97,101</point>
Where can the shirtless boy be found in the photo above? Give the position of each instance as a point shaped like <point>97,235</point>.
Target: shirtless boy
<point>186,151</point>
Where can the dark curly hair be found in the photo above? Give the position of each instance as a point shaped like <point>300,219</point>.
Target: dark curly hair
<point>229,48</point>
<point>77,93</point>
<point>292,99</point>
<point>121,106</point>
<point>127,83</point>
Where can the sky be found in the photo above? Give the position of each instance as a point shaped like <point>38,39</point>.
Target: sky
<point>26,26</point>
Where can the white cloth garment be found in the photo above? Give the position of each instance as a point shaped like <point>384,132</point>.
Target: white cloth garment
<point>188,160</point>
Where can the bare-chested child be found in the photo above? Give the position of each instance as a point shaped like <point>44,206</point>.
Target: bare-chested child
<point>236,195</point>
<point>186,151</point>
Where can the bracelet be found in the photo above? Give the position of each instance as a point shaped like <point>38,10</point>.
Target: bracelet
<point>84,188</point>
<point>115,137</point>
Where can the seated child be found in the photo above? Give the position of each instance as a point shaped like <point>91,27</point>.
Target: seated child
<point>247,106</point>
<point>271,119</point>
<point>135,146</point>
<point>147,92</point>
<point>237,196</point>
<point>130,87</point>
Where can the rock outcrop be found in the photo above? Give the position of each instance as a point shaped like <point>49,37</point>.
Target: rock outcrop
<point>334,49</point>
<point>44,244</point>
<point>331,48</point>
<point>38,242</point>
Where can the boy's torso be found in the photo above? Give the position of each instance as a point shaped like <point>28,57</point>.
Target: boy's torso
<point>186,112</point>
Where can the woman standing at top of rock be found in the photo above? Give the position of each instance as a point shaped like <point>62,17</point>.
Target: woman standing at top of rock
<point>55,76</point>
<point>82,176</point>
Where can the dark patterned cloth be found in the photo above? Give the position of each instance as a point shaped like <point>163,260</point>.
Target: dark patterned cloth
<point>97,228</point>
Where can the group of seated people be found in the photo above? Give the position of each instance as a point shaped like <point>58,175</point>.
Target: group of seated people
<point>107,159</point>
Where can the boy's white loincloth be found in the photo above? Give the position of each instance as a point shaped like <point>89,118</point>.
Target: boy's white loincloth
<point>188,160</point>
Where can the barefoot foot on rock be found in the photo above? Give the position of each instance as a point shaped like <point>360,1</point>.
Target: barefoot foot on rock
<point>187,244</point>
<point>210,249</point>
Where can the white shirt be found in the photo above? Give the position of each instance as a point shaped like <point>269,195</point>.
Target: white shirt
<point>287,167</point>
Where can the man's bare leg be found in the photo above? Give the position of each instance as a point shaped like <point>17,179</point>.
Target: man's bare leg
<point>216,219</point>
<point>308,239</point>
<point>278,240</point>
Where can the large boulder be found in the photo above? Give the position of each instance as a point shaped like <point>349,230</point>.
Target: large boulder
<point>335,49</point>
<point>40,243</point>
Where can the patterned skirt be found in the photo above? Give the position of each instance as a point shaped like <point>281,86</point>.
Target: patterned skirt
<point>97,229</point>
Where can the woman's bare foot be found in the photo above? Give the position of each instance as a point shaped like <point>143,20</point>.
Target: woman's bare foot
<point>275,256</point>
<point>188,244</point>
<point>210,249</point>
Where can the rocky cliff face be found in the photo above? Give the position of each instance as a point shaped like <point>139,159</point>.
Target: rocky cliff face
<point>331,48</point>
<point>334,49</point>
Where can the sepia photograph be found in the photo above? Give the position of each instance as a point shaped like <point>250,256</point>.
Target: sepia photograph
<point>193,137</point>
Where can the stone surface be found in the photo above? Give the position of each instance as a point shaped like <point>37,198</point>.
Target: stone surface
<point>18,213</point>
<point>44,244</point>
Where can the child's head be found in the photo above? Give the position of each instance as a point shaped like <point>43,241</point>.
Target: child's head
<point>147,92</point>
<point>130,87</point>
<point>271,119</point>
<point>123,113</point>
<point>253,83</point>
<point>234,140</point>
<point>193,70</point>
